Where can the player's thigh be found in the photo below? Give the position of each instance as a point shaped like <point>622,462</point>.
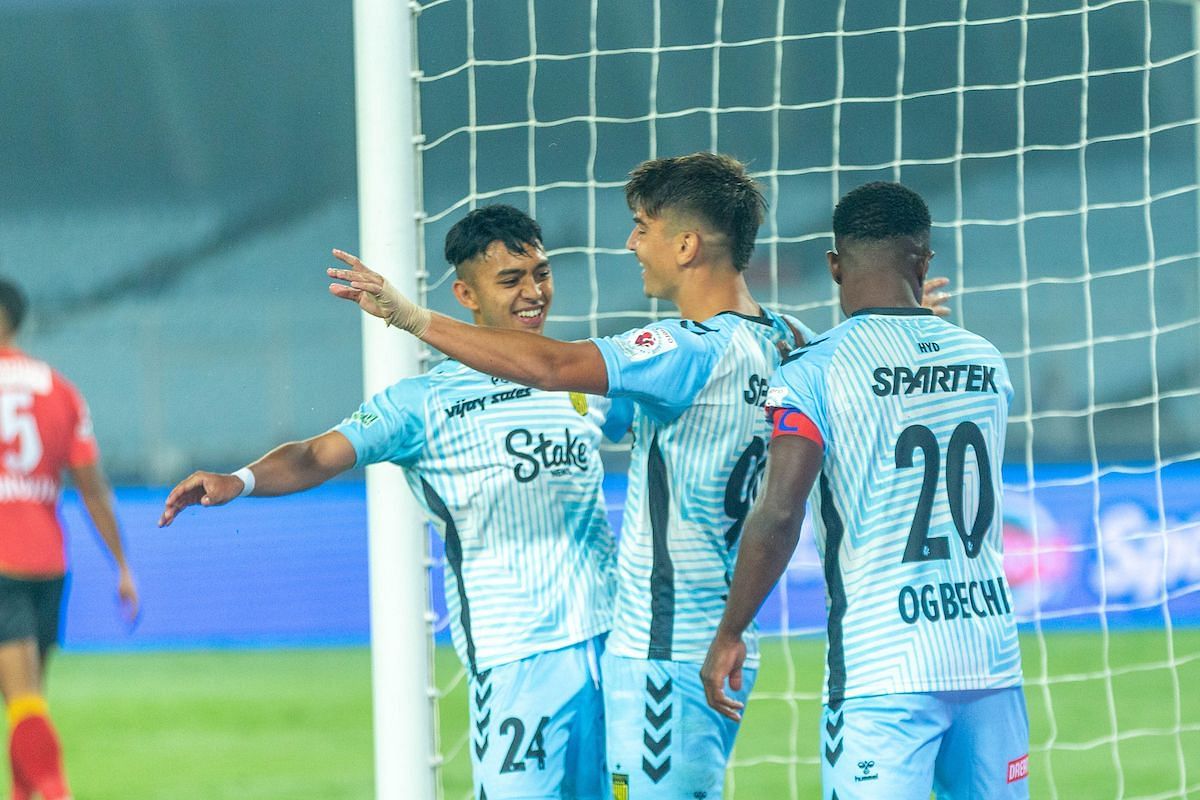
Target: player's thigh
<point>586,771</point>
<point>663,739</point>
<point>881,747</point>
<point>985,753</point>
<point>529,723</point>
<point>47,609</point>
<point>19,662</point>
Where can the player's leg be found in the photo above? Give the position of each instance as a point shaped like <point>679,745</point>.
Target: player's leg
<point>586,770</point>
<point>985,753</point>
<point>663,739</point>
<point>523,719</point>
<point>881,747</point>
<point>29,613</point>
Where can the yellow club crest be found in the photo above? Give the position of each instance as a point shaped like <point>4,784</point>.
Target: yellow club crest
<point>620,786</point>
<point>579,402</point>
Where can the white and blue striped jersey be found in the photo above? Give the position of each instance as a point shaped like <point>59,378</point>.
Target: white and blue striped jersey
<point>913,412</point>
<point>699,450</point>
<point>511,478</point>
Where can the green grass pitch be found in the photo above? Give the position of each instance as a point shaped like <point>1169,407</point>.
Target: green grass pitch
<point>295,724</point>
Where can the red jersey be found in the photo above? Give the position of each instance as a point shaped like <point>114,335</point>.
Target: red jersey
<point>44,428</point>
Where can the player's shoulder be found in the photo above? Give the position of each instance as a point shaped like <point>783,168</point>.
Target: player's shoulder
<point>822,347</point>
<point>661,337</point>
<point>23,372</point>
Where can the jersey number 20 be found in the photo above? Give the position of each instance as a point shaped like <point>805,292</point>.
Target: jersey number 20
<point>920,547</point>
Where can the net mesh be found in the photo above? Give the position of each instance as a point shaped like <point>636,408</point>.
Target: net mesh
<point>1056,144</point>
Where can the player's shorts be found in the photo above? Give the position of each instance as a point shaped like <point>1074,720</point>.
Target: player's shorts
<point>30,609</point>
<point>958,744</point>
<point>537,727</point>
<point>663,739</point>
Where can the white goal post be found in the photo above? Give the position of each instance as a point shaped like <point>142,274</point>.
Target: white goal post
<point>388,190</point>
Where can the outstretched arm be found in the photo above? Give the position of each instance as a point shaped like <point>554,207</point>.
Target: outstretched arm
<point>770,537</point>
<point>291,467</point>
<point>93,487</point>
<point>518,356</point>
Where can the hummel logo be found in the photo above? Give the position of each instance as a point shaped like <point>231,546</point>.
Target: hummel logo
<point>866,767</point>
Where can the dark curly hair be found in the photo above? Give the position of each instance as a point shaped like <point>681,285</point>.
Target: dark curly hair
<point>713,187</point>
<point>13,304</point>
<point>879,211</point>
<point>471,235</point>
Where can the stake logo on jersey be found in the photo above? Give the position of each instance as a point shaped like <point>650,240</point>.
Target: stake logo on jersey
<point>699,451</point>
<point>511,478</point>
<point>912,412</point>
<point>535,453</point>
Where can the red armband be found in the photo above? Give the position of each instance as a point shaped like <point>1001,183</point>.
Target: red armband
<point>790,422</point>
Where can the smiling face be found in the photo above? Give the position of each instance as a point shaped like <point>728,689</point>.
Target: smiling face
<point>506,290</point>
<point>653,241</point>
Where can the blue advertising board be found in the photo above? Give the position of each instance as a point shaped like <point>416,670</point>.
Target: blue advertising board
<point>1082,548</point>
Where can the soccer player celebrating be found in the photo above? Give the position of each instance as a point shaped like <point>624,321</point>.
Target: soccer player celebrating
<point>511,477</point>
<point>699,383</point>
<point>899,419</point>
<point>46,431</point>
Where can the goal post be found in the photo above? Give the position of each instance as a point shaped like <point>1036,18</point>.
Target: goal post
<point>388,190</point>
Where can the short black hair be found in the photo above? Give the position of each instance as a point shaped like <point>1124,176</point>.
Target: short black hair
<point>713,187</point>
<point>13,304</point>
<point>879,211</point>
<point>471,235</point>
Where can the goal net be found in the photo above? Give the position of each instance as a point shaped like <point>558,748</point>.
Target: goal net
<point>1056,144</point>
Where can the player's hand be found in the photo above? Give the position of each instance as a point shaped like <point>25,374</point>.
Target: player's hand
<point>200,488</point>
<point>935,300</point>
<point>785,348</point>
<point>374,295</point>
<point>127,593</point>
<point>724,662</point>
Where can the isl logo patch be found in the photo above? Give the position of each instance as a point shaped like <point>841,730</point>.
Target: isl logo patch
<point>1018,768</point>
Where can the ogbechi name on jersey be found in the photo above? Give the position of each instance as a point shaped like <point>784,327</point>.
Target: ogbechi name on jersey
<point>940,602</point>
<point>937,378</point>
<point>545,453</point>
<point>468,404</point>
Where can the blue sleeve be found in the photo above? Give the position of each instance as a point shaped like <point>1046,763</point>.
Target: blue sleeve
<point>619,419</point>
<point>390,426</point>
<point>661,367</point>
<point>800,384</point>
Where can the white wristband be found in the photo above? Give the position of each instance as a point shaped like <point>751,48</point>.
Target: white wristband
<point>247,477</point>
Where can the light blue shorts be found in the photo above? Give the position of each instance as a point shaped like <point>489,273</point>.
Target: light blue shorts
<point>537,727</point>
<point>961,745</point>
<point>663,739</point>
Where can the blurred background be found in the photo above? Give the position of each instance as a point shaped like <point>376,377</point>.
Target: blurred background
<point>175,173</point>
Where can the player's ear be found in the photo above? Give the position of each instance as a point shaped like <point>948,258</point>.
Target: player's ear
<point>465,295</point>
<point>923,266</point>
<point>687,247</point>
<point>835,266</point>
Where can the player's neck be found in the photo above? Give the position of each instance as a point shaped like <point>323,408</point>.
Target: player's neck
<point>709,291</point>
<point>876,290</point>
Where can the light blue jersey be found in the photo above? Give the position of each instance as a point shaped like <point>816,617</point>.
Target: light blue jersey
<point>699,450</point>
<point>511,477</point>
<point>913,411</point>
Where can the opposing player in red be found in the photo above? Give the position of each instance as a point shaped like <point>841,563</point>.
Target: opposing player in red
<point>45,430</point>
